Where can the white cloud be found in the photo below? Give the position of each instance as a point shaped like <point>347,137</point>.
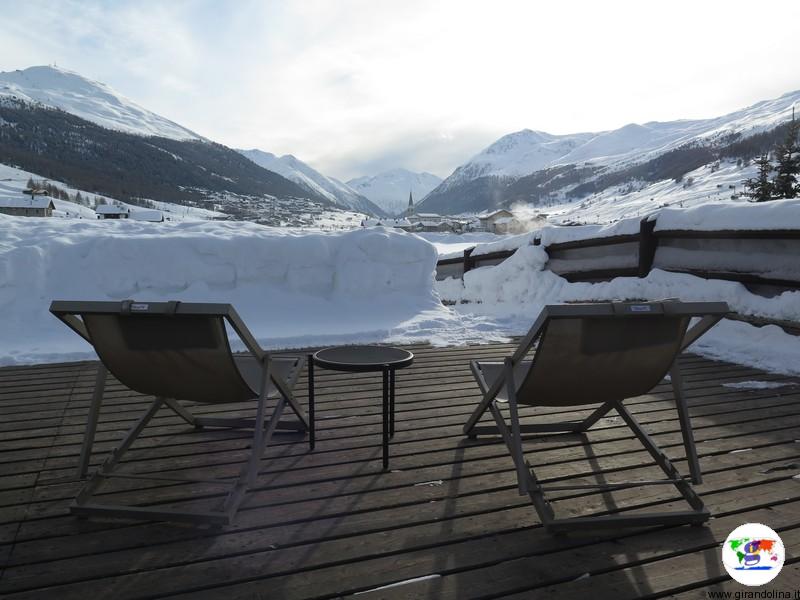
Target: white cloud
<point>355,85</point>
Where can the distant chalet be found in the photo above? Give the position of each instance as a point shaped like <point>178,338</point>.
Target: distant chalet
<point>112,211</point>
<point>37,206</point>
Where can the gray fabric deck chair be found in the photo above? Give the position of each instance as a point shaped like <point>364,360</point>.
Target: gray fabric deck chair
<point>589,355</point>
<point>180,351</point>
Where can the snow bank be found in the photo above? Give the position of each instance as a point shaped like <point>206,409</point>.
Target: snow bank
<point>559,235</point>
<point>292,289</point>
<point>515,291</point>
<point>777,214</point>
<point>552,234</point>
<point>453,244</point>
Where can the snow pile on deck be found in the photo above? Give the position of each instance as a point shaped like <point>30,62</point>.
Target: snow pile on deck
<point>292,288</point>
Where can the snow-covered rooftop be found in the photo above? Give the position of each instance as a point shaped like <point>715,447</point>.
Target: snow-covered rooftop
<point>35,202</point>
<point>144,214</point>
<point>111,209</point>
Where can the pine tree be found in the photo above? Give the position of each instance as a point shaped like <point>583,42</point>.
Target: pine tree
<point>788,158</point>
<point>78,198</point>
<point>31,185</point>
<point>760,188</point>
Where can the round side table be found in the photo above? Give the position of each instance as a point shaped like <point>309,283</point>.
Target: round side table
<point>362,359</point>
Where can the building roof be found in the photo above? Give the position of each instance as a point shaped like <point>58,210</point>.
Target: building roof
<point>111,209</point>
<point>495,213</point>
<point>35,202</point>
<point>146,214</point>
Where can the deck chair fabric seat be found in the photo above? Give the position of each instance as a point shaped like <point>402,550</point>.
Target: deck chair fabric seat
<point>490,372</point>
<point>179,352</point>
<point>595,356</point>
<point>251,371</point>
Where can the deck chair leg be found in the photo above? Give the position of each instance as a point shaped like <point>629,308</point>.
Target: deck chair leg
<point>181,411</point>
<point>598,414</point>
<point>661,459</point>
<point>258,430</point>
<point>286,392</point>
<point>483,405</point>
<point>117,453</point>
<point>91,425</point>
<point>516,435</point>
<point>261,439</point>
<point>686,424</point>
<point>526,478</point>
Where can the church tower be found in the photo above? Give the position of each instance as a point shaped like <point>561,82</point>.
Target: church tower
<point>410,209</point>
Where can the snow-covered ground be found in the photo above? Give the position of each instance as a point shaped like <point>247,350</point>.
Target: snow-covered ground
<point>300,287</point>
<point>454,244</point>
<point>708,184</point>
<point>293,288</point>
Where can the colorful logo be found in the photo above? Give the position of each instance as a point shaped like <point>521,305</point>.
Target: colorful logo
<point>753,554</point>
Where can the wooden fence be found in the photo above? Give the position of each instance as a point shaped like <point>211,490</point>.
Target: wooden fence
<point>766,261</point>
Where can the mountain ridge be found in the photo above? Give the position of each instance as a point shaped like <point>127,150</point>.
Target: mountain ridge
<point>90,100</point>
<point>389,189</point>
<point>301,173</point>
<point>527,152</point>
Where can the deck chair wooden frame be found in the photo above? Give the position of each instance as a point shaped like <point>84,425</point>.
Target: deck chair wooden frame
<point>207,372</point>
<point>505,389</point>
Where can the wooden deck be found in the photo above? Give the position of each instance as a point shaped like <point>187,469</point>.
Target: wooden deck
<point>447,516</point>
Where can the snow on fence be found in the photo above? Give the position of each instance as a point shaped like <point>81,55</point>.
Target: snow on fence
<point>754,246</point>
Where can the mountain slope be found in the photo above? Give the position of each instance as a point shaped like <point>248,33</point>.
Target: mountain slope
<point>480,183</point>
<point>64,147</point>
<point>390,189</point>
<point>302,174</point>
<point>89,100</point>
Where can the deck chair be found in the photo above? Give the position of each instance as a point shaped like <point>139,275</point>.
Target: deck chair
<point>590,355</point>
<point>179,351</point>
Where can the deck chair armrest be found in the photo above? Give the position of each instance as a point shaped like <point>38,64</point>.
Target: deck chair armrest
<point>70,320</point>
<point>699,329</point>
<point>244,334</point>
<point>533,334</point>
<point>299,361</point>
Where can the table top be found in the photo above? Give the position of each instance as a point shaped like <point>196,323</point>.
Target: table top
<point>363,358</point>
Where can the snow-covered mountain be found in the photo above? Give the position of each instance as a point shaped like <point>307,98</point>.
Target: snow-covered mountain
<point>296,170</point>
<point>524,153</point>
<point>87,99</point>
<point>390,189</point>
<point>97,139</point>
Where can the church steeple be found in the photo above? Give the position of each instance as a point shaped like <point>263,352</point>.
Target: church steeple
<point>410,209</point>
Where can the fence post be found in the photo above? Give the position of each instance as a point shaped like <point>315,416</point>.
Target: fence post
<point>648,242</point>
<point>468,262</point>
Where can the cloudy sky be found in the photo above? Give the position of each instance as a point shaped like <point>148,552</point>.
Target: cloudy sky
<point>357,86</point>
